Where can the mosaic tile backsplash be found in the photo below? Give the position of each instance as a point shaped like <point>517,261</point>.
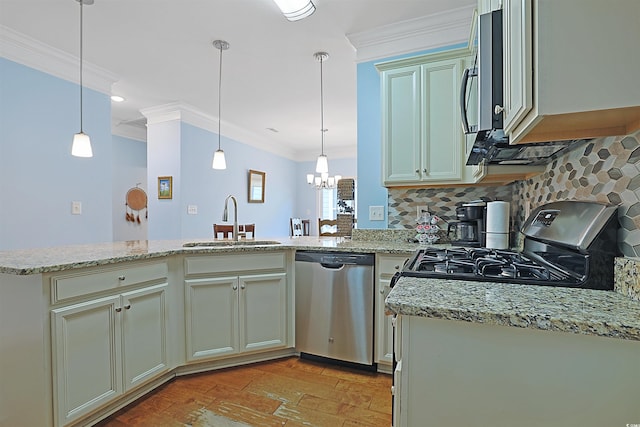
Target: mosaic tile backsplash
<point>604,170</point>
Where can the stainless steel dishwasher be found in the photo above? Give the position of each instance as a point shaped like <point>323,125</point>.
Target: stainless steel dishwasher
<point>334,306</point>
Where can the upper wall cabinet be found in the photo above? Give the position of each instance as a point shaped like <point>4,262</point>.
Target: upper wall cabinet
<point>570,69</point>
<point>422,140</point>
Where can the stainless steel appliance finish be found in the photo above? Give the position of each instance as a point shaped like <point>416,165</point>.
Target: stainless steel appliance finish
<point>335,305</point>
<point>567,243</point>
<point>574,224</point>
<point>491,144</point>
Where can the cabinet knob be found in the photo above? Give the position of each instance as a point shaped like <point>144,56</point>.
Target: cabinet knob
<point>382,291</point>
<point>118,309</point>
<point>121,278</point>
<point>424,170</point>
<point>235,287</point>
<point>417,170</point>
<point>127,307</point>
<point>397,267</point>
<point>242,286</point>
<point>498,109</point>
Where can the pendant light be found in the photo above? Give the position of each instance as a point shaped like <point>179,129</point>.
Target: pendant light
<point>322,165</point>
<point>219,161</point>
<point>295,10</point>
<point>81,146</point>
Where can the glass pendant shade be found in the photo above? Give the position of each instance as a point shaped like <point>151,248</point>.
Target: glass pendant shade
<point>81,145</point>
<point>322,165</point>
<point>218,160</point>
<point>295,10</point>
<point>309,178</point>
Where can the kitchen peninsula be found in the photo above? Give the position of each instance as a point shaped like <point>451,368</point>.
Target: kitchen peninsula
<point>86,329</point>
<point>44,293</point>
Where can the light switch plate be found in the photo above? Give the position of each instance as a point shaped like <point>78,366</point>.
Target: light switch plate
<point>376,213</point>
<point>192,209</point>
<point>76,208</point>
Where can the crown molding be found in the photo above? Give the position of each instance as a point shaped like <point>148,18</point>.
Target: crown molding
<point>424,33</point>
<point>193,116</point>
<point>25,50</point>
<point>130,131</point>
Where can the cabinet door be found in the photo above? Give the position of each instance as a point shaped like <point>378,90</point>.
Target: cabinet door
<point>386,267</point>
<point>401,121</point>
<point>144,334</point>
<point>517,69</point>
<point>442,145</point>
<point>211,317</point>
<point>263,311</point>
<point>87,371</point>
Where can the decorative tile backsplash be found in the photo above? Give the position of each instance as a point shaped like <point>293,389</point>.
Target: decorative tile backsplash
<point>604,170</point>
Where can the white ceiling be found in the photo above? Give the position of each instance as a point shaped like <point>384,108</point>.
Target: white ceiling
<point>161,52</point>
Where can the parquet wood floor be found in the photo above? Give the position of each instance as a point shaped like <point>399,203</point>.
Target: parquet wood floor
<point>289,392</point>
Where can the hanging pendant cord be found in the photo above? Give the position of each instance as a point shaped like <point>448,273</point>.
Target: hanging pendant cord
<point>219,97</point>
<point>321,108</point>
<point>81,2</point>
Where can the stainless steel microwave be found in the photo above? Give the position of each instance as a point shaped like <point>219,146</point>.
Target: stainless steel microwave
<point>485,82</point>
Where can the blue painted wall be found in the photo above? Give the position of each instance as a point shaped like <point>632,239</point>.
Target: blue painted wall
<point>39,114</point>
<point>371,192</point>
<point>129,169</point>
<point>39,178</point>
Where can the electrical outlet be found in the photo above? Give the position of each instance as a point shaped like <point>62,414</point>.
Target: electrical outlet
<point>376,213</point>
<point>421,210</point>
<point>76,208</point>
<point>192,209</point>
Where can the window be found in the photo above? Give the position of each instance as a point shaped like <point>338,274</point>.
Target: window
<point>327,203</point>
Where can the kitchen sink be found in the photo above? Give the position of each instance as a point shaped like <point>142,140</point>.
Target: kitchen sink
<point>218,243</point>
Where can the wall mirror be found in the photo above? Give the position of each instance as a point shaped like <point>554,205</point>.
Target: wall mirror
<point>256,186</point>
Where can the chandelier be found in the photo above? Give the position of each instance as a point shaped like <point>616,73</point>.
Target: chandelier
<point>323,181</point>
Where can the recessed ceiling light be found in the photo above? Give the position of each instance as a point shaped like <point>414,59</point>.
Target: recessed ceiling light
<point>117,98</point>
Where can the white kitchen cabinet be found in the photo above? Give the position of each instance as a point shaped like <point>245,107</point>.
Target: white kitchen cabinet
<point>421,136</point>
<point>230,314</point>
<point>457,373</point>
<point>105,347</point>
<point>570,69</point>
<point>386,267</point>
<point>422,140</point>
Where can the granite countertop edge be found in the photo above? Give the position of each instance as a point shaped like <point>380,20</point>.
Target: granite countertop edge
<point>56,259</point>
<point>579,311</point>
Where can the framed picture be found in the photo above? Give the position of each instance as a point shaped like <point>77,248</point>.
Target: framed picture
<point>256,186</point>
<point>165,187</point>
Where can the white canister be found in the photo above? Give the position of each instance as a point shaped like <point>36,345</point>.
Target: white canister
<point>497,226</point>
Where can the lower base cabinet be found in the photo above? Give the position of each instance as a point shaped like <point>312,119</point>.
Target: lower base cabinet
<point>105,347</point>
<point>456,373</point>
<point>236,314</point>
<point>386,267</point>
<point>236,303</point>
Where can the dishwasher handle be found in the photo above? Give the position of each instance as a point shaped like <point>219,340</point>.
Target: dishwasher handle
<point>332,266</point>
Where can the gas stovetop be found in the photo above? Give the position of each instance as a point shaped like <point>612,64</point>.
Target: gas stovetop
<point>486,264</point>
<point>566,243</point>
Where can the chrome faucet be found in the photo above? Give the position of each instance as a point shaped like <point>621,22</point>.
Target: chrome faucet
<point>225,215</point>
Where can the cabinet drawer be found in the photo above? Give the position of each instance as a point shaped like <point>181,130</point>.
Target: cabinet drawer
<point>390,265</point>
<point>234,263</point>
<point>91,282</point>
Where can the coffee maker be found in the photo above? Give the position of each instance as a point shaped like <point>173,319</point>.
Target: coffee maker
<point>470,227</point>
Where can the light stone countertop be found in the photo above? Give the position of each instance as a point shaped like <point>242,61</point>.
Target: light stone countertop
<point>602,313</point>
<point>44,260</point>
<point>580,311</point>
